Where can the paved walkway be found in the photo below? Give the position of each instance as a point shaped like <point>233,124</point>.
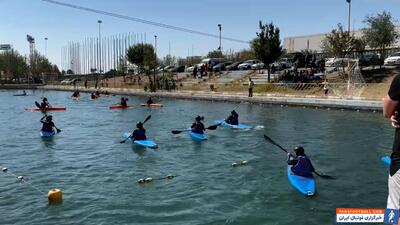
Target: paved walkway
<point>309,101</point>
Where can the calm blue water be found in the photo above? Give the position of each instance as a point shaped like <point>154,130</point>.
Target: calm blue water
<point>98,175</point>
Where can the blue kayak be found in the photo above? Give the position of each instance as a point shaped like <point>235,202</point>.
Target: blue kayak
<point>306,185</point>
<point>144,143</point>
<point>225,124</point>
<point>386,160</point>
<point>46,134</point>
<point>197,136</point>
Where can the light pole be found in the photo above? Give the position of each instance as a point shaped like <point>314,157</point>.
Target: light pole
<point>99,22</point>
<point>45,46</point>
<point>220,28</point>
<point>155,63</point>
<point>349,1</point>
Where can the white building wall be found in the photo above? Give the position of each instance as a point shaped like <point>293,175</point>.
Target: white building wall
<point>313,42</point>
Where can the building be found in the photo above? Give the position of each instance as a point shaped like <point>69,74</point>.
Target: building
<point>313,42</point>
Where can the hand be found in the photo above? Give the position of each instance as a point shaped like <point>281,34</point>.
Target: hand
<point>394,121</point>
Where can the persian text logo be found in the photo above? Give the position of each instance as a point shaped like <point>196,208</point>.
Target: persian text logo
<point>391,216</point>
<point>359,215</point>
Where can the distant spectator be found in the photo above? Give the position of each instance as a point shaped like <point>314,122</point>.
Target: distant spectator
<point>86,86</point>
<point>195,71</point>
<point>202,69</point>
<point>251,86</point>
<point>326,88</point>
<point>273,69</point>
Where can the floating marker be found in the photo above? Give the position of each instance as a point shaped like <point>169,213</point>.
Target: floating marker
<point>240,163</point>
<point>55,196</point>
<point>20,177</point>
<point>5,169</point>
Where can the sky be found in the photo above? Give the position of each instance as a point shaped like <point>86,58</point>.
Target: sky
<point>239,20</point>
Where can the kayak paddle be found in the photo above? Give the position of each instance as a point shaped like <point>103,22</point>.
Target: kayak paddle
<point>283,149</point>
<point>123,141</point>
<point>212,127</point>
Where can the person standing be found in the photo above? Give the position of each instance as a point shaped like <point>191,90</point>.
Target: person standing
<point>195,72</point>
<point>251,85</point>
<point>86,84</point>
<point>390,110</point>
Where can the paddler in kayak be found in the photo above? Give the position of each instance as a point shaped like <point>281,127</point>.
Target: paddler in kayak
<point>123,102</point>
<point>139,133</point>
<point>198,126</point>
<point>48,124</point>
<point>301,164</point>
<point>93,96</point>
<point>233,119</point>
<point>44,104</point>
<point>149,101</point>
<point>76,94</point>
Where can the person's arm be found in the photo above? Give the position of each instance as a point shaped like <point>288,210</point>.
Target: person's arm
<point>391,101</point>
<point>389,106</point>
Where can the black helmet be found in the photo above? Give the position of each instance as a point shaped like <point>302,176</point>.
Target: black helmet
<point>198,118</point>
<point>299,151</point>
<point>49,117</point>
<point>139,125</point>
<point>45,99</point>
<point>233,112</point>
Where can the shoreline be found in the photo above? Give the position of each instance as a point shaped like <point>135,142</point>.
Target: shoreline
<point>309,101</point>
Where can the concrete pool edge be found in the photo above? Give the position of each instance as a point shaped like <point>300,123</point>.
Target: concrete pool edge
<point>352,104</point>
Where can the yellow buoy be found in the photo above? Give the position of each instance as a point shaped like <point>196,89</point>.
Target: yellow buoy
<point>55,196</point>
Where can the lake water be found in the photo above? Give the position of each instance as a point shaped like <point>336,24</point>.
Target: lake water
<point>98,175</point>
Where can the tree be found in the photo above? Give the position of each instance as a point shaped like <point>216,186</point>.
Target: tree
<point>215,54</point>
<point>338,43</point>
<point>144,56</point>
<point>13,64</point>
<point>380,31</point>
<point>169,60</point>
<point>267,45</point>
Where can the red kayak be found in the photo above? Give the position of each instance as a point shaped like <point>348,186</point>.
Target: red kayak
<point>119,107</point>
<point>152,105</point>
<point>52,108</point>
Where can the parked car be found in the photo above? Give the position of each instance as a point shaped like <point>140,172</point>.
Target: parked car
<point>66,81</point>
<point>258,66</point>
<point>190,69</point>
<point>283,63</point>
<point>167,68</point>
<point>337,64</point>
<point>233,66</point>
<point>246,65</point>
<point>394,59</point>
<point>370,59</point>
<point>221,66</point>
<point>177,69</point>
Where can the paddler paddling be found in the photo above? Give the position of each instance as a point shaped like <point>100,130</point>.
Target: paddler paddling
<point>76,94</point>
<point>233,119</point>
<point>44,104</point>
<point>149,101</point>
<point>301,164</point>
<point>48,124</point>
<point>139,133</point>
<point>123,102</point>
<point>198,126</point>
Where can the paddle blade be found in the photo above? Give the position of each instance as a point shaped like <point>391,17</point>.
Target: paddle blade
<point>213,127</point>
<point>324,176</point>
<point>123,141</point>
<point>176,131</point>
<point>58,130</point>
<point>37,105</point>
